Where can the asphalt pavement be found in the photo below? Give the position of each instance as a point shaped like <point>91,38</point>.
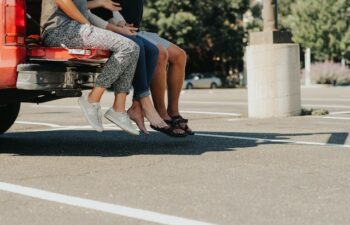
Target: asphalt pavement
<point>54,169</point>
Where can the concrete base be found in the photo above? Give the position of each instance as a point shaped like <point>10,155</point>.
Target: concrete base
<point>273,80</point>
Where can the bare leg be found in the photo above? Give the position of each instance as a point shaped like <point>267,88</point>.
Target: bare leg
<point>136,114</point>
<point>175,78</point>
<point>158,84</point>
<point>119,102</point>
<point>96,94</point>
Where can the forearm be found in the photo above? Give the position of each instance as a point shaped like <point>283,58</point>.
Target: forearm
<point>114,28</point>
<point>70,9</point>
<point>118,19</point>
<point>97,21</point>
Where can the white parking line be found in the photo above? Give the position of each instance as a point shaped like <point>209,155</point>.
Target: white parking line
<point>336,118</point>
<point>327,99</point>
<point>99,206</point>
<point>39,124</point>
<point>56,127</point>
<point>339,113</point>
<point>327,106</point>
<point>113,127</point>
<point>273,140</point>
<point>104,108</point>
<point>212,113</point>
<point>214,103</point>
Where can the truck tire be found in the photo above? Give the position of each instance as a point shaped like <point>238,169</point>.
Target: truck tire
<point>8,115</point>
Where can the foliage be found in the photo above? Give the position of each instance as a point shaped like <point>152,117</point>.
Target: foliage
<point>314,112</point>
<point>322,26</point>
<point>210,31</point>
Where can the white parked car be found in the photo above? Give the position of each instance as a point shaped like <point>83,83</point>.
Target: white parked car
<point>198,80</point>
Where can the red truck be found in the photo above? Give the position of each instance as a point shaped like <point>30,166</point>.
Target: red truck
<point>30,72</point>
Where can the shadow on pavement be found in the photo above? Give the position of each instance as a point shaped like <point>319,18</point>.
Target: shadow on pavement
<point>118,143</point>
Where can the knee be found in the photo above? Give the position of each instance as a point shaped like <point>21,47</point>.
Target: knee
<point>179,56</point>
<point>163,55</point>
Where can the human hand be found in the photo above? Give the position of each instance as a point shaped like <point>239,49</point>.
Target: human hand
<point>110,5</point>
<point>131,26</point>
<point>128,30</point>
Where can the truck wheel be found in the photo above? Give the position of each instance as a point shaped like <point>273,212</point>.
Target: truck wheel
<point>8,115</point>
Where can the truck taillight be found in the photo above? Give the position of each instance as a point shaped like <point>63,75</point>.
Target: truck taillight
<point>15,22</point>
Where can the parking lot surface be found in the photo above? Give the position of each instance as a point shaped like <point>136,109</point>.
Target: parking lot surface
<point>54,169</point>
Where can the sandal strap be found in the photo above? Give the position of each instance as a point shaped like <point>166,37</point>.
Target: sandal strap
<point>179,119</point>
<point>173,124</point>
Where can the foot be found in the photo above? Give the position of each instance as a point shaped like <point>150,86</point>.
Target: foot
<point>151,114</point>
<point>182,123</point>
<point>170,130</point>
<point>135,113</point>
<point>153,117</point>
<point>92,113</point>
<point>122,120</point>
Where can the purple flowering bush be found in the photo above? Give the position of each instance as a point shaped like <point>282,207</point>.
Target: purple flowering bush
<point>329,73</point>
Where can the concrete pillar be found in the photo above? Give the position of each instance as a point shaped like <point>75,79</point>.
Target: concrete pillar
<point>269,14</point>
<point>307,70</point>
<point>273,72</point>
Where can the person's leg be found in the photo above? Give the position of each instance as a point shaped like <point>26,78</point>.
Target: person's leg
<point>136,114</point>
<point>152,54</point>
<point>119,102</point>
<point>124,56</point>
<point>175,78</point>
<point>158,89</point>
<point>135,111</point>
<point>141,89</point>
<point>158,84</point>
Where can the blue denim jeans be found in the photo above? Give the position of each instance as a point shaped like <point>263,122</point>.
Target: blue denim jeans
<point>146,66</point>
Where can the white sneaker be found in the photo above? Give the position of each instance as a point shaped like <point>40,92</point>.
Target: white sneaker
<point>92,112</point>
<point>122,120</point>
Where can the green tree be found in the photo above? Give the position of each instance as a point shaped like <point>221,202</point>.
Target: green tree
<point>322,26</point>
<point>210,31</point>
<point>284,13</point>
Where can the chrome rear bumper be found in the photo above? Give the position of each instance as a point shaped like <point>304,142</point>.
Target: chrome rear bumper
<point>37,77</point>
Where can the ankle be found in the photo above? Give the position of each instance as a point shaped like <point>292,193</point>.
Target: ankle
<point>119,109</point>
<point>173,113</point>
<point>91,99</point>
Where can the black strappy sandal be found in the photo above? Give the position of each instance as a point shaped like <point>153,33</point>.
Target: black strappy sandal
<point>178,120</point>
<point>170,130</point>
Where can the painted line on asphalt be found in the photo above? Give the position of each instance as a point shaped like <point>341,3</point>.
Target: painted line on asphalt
<point>56,127</point>
<point>327,99</point>
<point>214,103</point>
<point>273,140</point>
<point>336,118</point>
<point>38,124</point>
<point>339,113</point>
<point>104,108</point>
<point>327,106</point>
<point>115,209</point>
<point>212,113</point>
